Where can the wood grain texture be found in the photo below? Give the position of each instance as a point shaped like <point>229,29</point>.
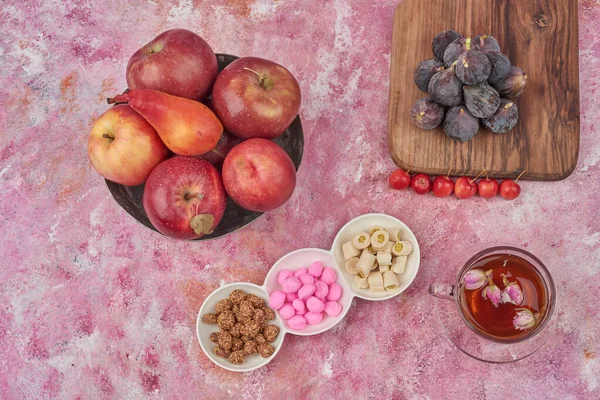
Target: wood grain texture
<point>539,36</point>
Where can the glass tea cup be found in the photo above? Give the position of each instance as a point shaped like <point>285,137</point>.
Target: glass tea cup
<point>495,324</point>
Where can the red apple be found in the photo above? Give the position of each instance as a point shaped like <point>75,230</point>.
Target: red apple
<point>176,62</point>
<point>123,147</point>
<point>465,188</point>
<point>442,186</point>
<point>259,175</point>
<point>184,197</point>
<point>217,155</point>
<point>487,188</point>
<point>421,184</point>
<point>256,98</point>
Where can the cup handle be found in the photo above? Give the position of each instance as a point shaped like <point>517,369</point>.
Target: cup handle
<point>442,290</point>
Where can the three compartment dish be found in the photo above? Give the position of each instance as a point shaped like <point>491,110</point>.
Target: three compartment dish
<point>303,258</point>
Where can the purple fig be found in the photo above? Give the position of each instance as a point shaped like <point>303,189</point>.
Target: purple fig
<point>482,100</point>
<point>425,71</point>
<point>426,113</point>
<point>445,88</point>
<point>441,42</point>
<point>512,84</point>
<point>456,48</point>
<point>487,43</point>
<point>500,65</point>
<point>504,119</point>
<point>460,124</point>
<point>473,67</point>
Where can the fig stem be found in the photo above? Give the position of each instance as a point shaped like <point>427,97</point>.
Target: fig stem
<point>520,175</point>
<point>473,180</point>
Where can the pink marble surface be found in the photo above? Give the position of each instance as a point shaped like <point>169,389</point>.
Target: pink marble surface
<point>95,305</point>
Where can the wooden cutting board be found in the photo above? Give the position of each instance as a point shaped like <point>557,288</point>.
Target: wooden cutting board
<point>540,37</point>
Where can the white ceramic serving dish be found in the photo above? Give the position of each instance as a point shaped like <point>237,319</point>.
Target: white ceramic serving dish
<point>302,258</point>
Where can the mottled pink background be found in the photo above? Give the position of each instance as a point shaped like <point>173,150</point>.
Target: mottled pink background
<point>94,305</point>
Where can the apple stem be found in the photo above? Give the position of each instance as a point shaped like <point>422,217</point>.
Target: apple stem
<point>189,196</point>
<point>473,180</point>
<point>520,175</point>
<point>448,174</point>
<point>107,136</point>
<point>263,80</point>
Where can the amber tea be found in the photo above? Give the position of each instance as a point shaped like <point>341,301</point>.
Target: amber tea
<point>503,297</point>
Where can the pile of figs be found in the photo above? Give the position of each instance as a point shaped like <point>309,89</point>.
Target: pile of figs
<point>469,82</point>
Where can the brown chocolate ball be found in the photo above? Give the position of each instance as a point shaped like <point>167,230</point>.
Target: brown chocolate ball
<point>237,295</point>
<point>265,350</point>
<point>259,316</point>
<point>269,313</point>
<point>225,340</point>
<point>214,336</point>
<point>270,332</point>
<point>221,352</point>
<point>223,305</point>
<point>226,320</point>
<point>236,330</point>
<point>251,329</point>
<point>246,309</point>
<point>209,318</point>
<point>237,357</point>
<point>260,339</point>
<point>237,344</point>
<point>250,347</point>
<point>256,301</point>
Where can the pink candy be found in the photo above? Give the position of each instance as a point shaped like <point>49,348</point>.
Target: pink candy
<point>307,295</point>
<point>321,289</point>
<point>289,297</point>
<point>283,275</point>
<point>316,269</point>
<point>306,291</point>
<point>276,300</point>
<point>298,322</point>
<point>313,318</point>
<point>333,308</point>
<point>299,306</point>
<point>287,311</point>
<point>328,276</point>
<point>306,278</point>
<point>335,292</point>
<point>299,272</point>
<point>315,305</point>
<point>291,285</point>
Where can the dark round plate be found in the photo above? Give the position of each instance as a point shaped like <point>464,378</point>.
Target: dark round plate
<point>235,217</point>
